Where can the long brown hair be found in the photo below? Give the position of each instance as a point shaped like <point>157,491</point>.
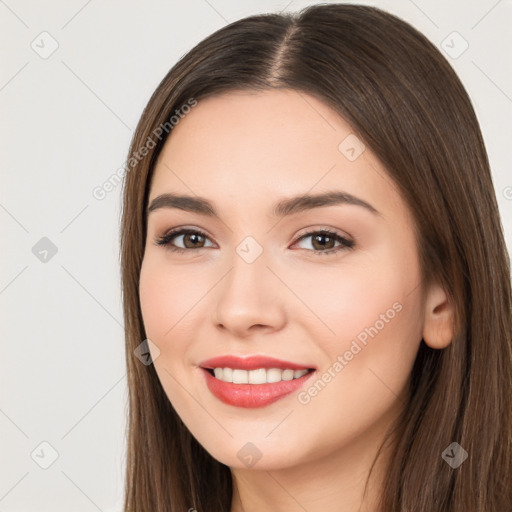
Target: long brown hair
<point>403,99</point>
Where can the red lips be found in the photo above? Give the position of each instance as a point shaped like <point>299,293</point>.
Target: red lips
<point>251,395</point>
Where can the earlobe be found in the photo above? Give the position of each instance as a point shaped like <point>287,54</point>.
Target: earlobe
<point>438,326</point>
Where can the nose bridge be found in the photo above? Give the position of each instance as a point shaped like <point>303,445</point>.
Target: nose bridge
<point>248,280</point>
<point>247,295</point>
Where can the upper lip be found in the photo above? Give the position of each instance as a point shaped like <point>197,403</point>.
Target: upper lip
<point>251,363</point>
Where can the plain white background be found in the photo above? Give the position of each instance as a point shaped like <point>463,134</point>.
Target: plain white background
<point>67,120</point>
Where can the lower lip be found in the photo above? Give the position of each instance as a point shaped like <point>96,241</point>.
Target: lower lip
<point>252,395</point>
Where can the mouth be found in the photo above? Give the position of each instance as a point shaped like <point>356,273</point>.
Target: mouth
<point>255,381</point>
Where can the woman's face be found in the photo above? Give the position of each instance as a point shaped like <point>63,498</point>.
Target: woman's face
<point>255,279</point>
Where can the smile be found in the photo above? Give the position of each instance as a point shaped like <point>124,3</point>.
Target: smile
<point>253,381</point>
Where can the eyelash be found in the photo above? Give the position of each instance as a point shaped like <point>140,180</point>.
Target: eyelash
<point>345,242</point>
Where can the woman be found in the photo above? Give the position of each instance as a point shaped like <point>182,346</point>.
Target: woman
<point>316,285</point>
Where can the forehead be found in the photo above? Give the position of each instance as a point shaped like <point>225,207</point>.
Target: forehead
<point>258,145</point>
<point>238,125</point>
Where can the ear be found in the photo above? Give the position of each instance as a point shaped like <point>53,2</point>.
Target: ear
<point>438,326</point>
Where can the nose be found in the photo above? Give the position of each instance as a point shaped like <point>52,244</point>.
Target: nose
<point>249,299</point>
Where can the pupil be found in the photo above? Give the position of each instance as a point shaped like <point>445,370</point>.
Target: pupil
<point>318,237</point>
<point>194,237</point>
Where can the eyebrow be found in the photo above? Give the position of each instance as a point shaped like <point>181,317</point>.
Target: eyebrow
<point>283,208</point>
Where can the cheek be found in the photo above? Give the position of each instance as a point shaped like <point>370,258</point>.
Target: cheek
<point>368,363</point>
<point>166,295</point>
<point>154,294</point>
<point>164,301</point>
<point>370,312</point>
<point>351,299</point>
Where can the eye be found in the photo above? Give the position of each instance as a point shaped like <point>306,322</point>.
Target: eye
<point>192,239</point>
<point>323,241</point>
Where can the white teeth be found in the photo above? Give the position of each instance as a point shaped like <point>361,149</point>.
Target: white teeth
<point>259,376</point>
<point>240,376</point>
<point>287,375</point>
<point>274,375</point>
<point>227,374</point>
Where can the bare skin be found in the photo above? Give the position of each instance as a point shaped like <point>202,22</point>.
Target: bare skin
<point>244,152</point>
